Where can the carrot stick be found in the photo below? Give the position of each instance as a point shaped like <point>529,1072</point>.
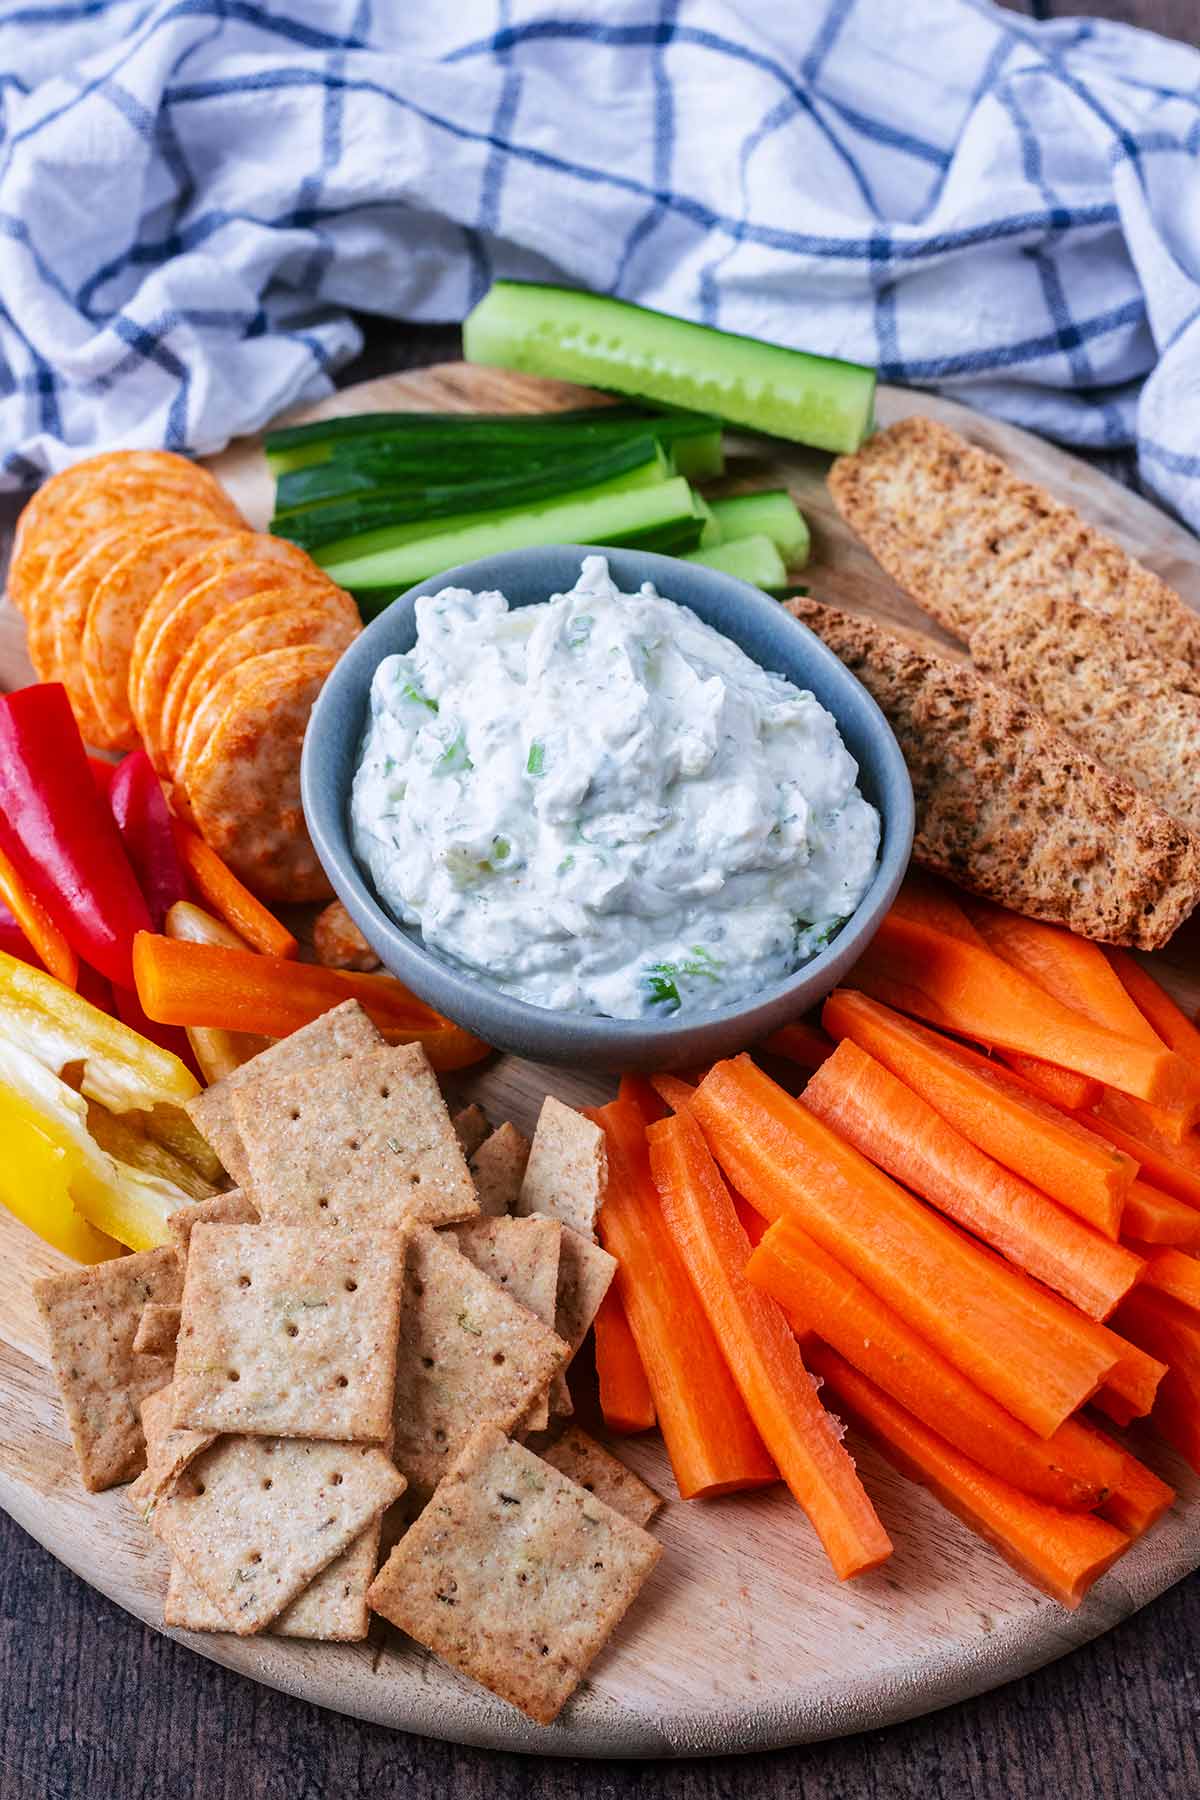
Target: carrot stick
<point>625,1397</point>
<point>1060,1552</point>
<point>763,1355</point>
<point>802,1044</point>
<point>1164,1165</point>
<point>931,902</point>
<point>971,991</point>
<point>1034,1355</point>
<point>901,1133</point>
<point>710,1437</point>
<point>1170,1331</point>
<point>1157,1218</point>
<point>819,1295</point>
<point>229,899</point>
<point>752,1222</point>
<point>1170,1272</point>
<point>676,1093</point>
<point>181,983</point>
<point>992,1108</point>
<point>1170,1022</point>
<point>1140,1497</point>
<point>51,947</point>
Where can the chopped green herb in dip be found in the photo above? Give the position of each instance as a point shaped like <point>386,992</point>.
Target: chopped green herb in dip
<point>602,805</point>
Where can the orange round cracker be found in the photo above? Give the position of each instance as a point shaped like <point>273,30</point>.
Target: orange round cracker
<point>204,607</point>
<point>91,492</point>
<point>222,643</point>
<point>249,559</point>
<point>115,610</point>
<point>245,788</point>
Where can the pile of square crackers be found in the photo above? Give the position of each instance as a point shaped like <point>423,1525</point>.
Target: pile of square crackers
<point>358,1350</point>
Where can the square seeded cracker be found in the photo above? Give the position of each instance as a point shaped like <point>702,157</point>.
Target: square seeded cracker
<point>230,1208</point>
<point>254,1520</point>
<point>332,1609</point>
<point>342,1031</point>
<point>498,1168</point>
<point>567,1170</point>
<point>583,1460</point>
<point>521,1256</point>
<point>366,1140</point>
<point>91,1318</point>
<point>468,1353</point>
<point>514,1575</point>
<point>585,1274</point>
<point>289,1331</point>
<point>169,1450</point>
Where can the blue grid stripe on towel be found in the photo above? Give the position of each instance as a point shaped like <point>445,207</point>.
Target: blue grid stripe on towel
<point>196,194</point>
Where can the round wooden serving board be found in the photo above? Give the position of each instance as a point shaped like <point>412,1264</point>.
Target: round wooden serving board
<point>743,1639</point>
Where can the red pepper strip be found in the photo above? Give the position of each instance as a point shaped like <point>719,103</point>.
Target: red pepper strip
<point>220,889</point>
<point>96,990</point>
<point>102,772</point>
<point>13,941</point>
<point>60,835</point>
<point>182,983</point>
<point>140,809</point>
<point>49,946</point>
<point>129,1009</point>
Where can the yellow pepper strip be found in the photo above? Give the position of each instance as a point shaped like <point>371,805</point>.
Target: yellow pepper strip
<point>36,1176</point>
<point>119,1201</point>
<point>218,1053</point>
<point>121,1069</point>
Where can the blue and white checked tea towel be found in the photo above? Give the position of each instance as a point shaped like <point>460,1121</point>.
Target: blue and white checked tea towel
<point>194,192</point>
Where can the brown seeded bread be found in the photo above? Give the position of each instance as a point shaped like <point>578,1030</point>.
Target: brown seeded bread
<point>1013,809</point>
<point>1134,710</point>
<point>966,538</point>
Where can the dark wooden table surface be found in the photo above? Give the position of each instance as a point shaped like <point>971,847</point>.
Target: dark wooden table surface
<point>92,1703</point>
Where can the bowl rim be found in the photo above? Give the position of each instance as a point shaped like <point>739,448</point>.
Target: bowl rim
<point>542,1031</point>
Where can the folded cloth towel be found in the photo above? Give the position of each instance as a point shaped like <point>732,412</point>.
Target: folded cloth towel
<point>195,193</point>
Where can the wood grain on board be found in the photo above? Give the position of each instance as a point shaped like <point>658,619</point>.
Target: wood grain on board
<point>742,1639</point>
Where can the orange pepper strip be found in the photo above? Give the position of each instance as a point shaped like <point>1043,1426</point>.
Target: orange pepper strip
<point>227,896</point>
<point>43,934</point>
<point>182,983</point>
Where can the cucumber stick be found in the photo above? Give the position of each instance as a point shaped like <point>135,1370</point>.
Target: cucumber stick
<point>660,517</point>
<point>607,343</point>
<point>753,559</point>
<point>772,514</point>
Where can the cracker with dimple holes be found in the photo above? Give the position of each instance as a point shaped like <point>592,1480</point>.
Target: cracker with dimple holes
<point>514,1575</point>
<point>289,1331</point>
<point>91,1318</point>
<point>585,1274</point>
<point>583,1460</point>
<point>231,1208</point>
<point>253,1520</point>
<point>567,1170</point>
<point>498,1168</point>
<point>342,1031</point>
<point>521,1256</point>
<point>169,1450</point>
<point>470,1128</point>
<point>468,1353</point>
<point>366,1140</point>
<point>332,1608</point>
<point>157,1330</point>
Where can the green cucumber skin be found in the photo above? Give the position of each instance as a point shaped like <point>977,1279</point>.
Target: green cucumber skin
<point>597,517</point>
<point>380,428</point>
<point>754,559</point>
<point>589,338</point>
<point>772,514</point>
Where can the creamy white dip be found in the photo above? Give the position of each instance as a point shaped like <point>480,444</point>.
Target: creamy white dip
<point>601,805</point>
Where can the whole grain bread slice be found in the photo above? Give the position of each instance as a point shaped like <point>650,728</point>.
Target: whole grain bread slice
<point>966,537</point>
<point>1135,710</point>
<point>1013,809</point>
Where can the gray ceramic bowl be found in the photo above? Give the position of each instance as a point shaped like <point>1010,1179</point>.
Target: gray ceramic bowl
<point>768,634</point>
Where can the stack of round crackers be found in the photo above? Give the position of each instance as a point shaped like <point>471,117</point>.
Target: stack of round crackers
<point>172,625</point>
